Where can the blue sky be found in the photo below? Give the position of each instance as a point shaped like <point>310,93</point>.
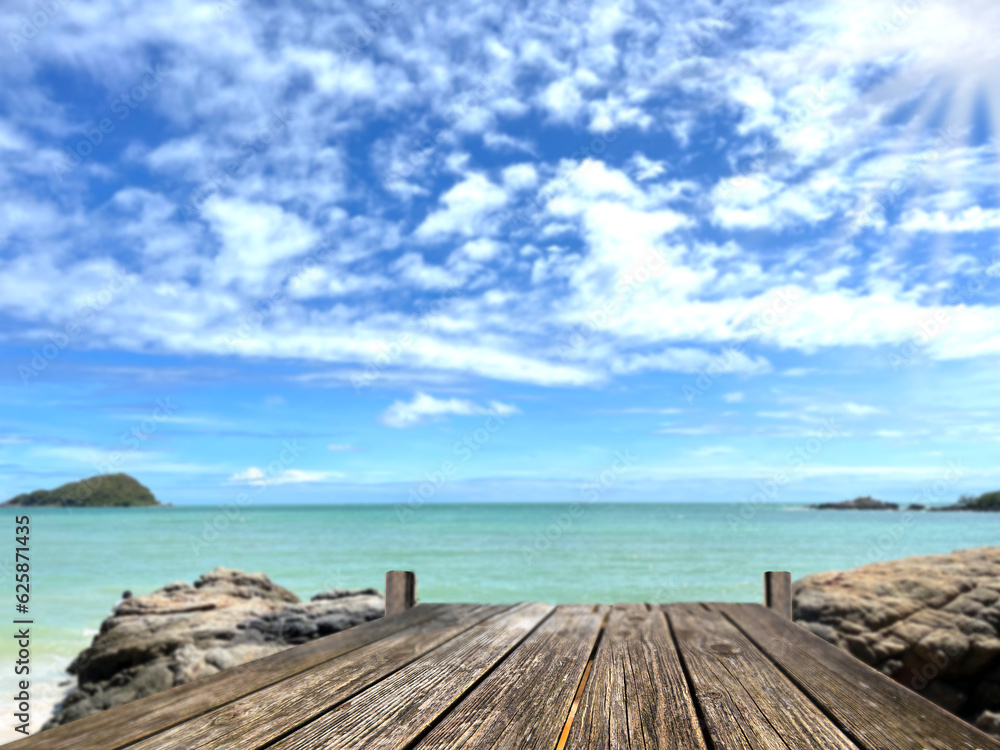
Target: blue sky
<point>546,251</point>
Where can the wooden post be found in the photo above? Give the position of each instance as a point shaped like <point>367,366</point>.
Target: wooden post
<point>778,593</point>
<point>400,591</point>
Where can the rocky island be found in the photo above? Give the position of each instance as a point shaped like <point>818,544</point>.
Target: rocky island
<point>182,632</point>
<point>858,503</point>
<point>987,502</point>
<point>932,623</point>
<point>101,491</point>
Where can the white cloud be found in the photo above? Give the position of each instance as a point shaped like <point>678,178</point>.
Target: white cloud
<point>710,450</point>
<point>424,407</point>
<point>503,142</point>
<point>646,168</point>
<point>975,219</point>
<point>482,249</point>
<point>562,99</point>
<point>412,268</point>
<point>733,398</point>
<point>671,430</point>
<point>890,433</point>
<point>256,477</point>
<point>607,211</point>
<point>520,176</point>
<point>467,206</point>
<point>861,410</point>
<point>254,237</point>
<point>686,359</point>
<point>645,410</point>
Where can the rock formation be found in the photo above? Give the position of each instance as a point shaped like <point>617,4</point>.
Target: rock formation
<point>858,503</point>
<point>931,623</point>
<point>181,632</point>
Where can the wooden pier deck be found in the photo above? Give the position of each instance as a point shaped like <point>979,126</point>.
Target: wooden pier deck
<point>679,676</point>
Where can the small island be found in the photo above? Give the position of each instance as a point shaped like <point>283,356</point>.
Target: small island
<point>987,502</point>
<point>101,491</point>
<point>858,503</point>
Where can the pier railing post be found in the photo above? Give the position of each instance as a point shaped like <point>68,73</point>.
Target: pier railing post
<point>778,592</point>
<point>400,591</point>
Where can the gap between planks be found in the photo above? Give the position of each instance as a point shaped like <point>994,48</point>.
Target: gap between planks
<point>564,736</point>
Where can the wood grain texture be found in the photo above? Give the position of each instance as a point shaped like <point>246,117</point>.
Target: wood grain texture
<point>524,702</point>
<point>746,699</point>
<point>397,710</point>
<point>121,725</point>
<point>636,695</point>
<point>778,593</point>
<point>400,591</point>
<point>875,711</point>
<point>272,712</point>
<point>501,676</point>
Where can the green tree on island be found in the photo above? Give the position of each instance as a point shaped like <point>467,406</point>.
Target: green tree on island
<point>986,501</point>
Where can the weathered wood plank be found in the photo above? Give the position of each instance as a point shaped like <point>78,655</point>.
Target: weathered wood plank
<point>397,710</point>
<point>636,695</point>
<point>778,592</point>
<point>121,725</point>
<point>760,702</point>
<point>270,713</point>
<point>400,591</point>
<point>524,702</point>
<point>872,709</point>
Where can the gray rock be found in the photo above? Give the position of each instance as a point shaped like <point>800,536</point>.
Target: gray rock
<point>989,722</point>
<point>182,632</point>
<point>931,623</point>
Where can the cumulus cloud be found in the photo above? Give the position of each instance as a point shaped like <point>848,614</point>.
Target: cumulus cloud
<point>614,153</point>
<point>467,207</point>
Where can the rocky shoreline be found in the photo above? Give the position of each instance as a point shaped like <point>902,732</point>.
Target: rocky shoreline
<point>932,623</point>
<point>182,632</point>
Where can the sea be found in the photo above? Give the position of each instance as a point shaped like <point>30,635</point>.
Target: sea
<point>81,560</point>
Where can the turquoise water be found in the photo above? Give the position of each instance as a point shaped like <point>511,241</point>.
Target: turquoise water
<point>81,561</point>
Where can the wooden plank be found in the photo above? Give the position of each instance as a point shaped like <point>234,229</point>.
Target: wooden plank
<point>746,700</point>
<point>524,702</point>
<point>121,725</point>
<point>573,708</point>
<point>268,714</point>
<point>872,709</point>
<point>397,710</point>
<point>778,593</point>
<point>636,695</point>
<point>400,591</point>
